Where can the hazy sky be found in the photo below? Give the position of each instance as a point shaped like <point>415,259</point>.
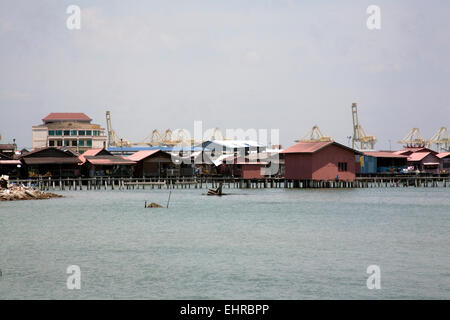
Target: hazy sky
<point>286,64</point>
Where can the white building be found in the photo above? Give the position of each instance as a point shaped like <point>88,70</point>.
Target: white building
<point>73,130</point>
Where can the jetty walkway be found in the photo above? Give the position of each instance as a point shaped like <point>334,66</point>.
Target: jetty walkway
<point>111,183</point>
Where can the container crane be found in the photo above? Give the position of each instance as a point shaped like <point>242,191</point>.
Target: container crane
<point>414,139</point>
<point>113,139</point>
<point>169,138</point>
<point>315,135</point>
<point>155,138</point>
<point>366,142</point>
<point>441,139</point>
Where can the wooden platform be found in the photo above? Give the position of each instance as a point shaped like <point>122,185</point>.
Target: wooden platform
<point>103,183</point>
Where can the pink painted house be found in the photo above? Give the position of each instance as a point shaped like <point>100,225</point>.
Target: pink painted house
<point>425,162</point>
<point>323,161</point>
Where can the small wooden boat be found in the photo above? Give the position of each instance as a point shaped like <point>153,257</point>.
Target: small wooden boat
<point>215,192</point>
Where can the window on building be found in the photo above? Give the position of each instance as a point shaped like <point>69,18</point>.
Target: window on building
<point>67,132</point>
<point>51,132</point>
<point>342,166</point>
<point>59,143</point>
<point>89,143</point>
<point>81,132</point>
<point>51,143</point>
<point>95,133</point>
<point>66,143</point>
<point>81,143</point>
<point>73,132</point>
<point>446,164</point>
<point>58,132</point>
<point>88,132</point>
<point>74,143</point>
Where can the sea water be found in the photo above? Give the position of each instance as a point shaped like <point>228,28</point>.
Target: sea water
<point>250,244</point>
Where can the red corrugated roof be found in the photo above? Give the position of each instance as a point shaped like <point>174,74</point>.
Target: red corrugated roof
<point>312,147</point>
<point>10,162</point>
<point>384,154</point>
<point>307,147</point>
<point>82,159</point>
<point>418,156</point>
<point>138,156</point>
<point>8,146</point>
<point>92,152</point>
<point>110,160</point>
<point>414,149</point>
<point>74,116</point>
<point>443,155</point>
<point>51,160</point>
<point>63,149</point>
<point>104,159</point>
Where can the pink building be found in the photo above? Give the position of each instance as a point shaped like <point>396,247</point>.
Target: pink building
<point>425,161</point>
<point>252,170</point>
<point>324,161</point>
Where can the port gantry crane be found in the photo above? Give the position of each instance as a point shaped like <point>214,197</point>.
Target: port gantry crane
<point>414,139</point>
<point>113,139</point>
<point>170,138</point>
<point>315,135</point>
<point>366,142</point>
<point>441,139</point>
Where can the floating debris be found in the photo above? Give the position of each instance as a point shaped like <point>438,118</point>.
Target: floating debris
<point>153,205</point>
<point>156,205</point>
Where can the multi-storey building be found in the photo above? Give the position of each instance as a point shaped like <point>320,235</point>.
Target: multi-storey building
<point>73,130</point>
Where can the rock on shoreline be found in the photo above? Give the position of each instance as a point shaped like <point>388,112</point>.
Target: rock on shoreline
<point>11,193</point>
